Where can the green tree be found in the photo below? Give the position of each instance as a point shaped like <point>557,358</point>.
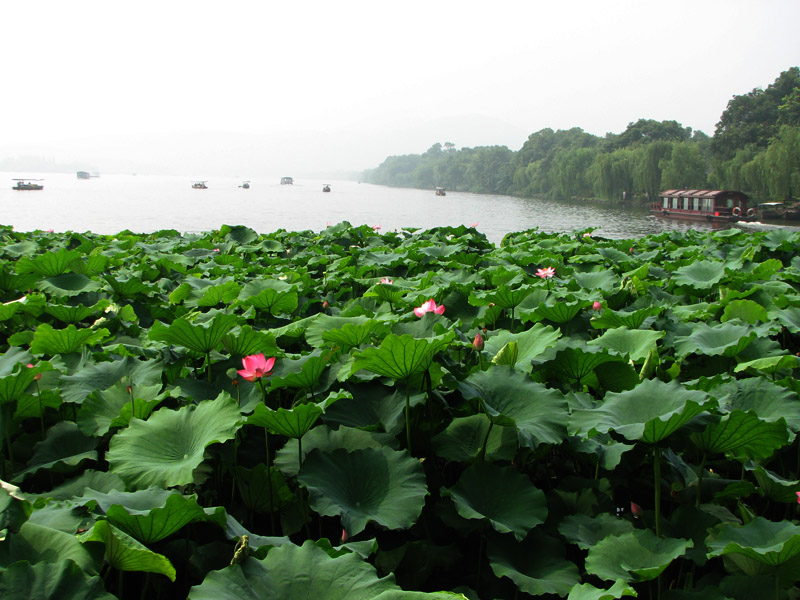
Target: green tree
<point>684,168</point>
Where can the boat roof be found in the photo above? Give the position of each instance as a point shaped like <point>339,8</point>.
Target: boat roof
<point>27,179</point>
<point>700,193</point>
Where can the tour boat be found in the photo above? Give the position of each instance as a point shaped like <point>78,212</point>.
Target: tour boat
<point>326,188</point>
<point>84,175</point>
<point>199,185</point>
<point>440,191</point>
<point>704,205</point>
<point>245,185</point>
<point>287,181</point>
<point>28,184</point>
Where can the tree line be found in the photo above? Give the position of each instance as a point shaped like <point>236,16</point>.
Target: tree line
<point>755,148</point>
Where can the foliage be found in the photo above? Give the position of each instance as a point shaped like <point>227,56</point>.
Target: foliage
<point>645,447</point>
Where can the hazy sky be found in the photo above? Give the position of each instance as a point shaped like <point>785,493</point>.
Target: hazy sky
<point>379,77</point>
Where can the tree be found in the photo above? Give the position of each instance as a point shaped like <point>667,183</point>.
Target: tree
<point>684,168</point>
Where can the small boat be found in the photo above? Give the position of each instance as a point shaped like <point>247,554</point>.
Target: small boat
<point>704,205</point>
<point>245,185</point>
<point>199,185</point>
<point>28,184</point>
<point>287,181</point>
<point>440,191</point>
<point>84,175</point>
<point>771,210</point>
<point>326,188</point>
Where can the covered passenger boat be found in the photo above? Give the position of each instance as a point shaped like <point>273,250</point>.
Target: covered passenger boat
<point>704,205</point>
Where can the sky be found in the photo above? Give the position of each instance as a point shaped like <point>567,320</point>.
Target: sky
<point>335,86</point>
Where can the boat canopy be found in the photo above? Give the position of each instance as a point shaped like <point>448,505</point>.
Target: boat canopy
<point>715,194</point>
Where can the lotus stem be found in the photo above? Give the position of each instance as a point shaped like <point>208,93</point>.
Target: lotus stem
<point>41,408</point>
<point>700,479</point>
<point>482,453</point>
<point>408,422</point>
<point>657,478</point>
<point>269,484</point>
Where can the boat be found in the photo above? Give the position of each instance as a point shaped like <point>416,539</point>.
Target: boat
<point>245,185</point>
<point>770,210</point>
<point>717,206</point>
<point>84,175</point>
<point>326,187</point>
<point>199,185</point>
<point>28,184</point>
<point>440,191</point>
<point>287,181</point>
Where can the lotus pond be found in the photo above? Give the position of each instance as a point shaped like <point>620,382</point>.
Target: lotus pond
<point>584,418</point>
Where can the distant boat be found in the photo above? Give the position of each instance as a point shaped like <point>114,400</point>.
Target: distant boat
<point>716,206</point>
<point>245,185</point>
<point>440,191</point>
<point>84,175</point>
<point>27,184</point>
<point>287,181</point>
<point>326,188</point>
<point>199,185</point>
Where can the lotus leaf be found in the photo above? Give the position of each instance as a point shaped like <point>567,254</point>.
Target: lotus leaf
<point>586,591</point>
<point>700,275</point>
<point>635,344</point>
<point>743,434</point>
<point>166,449</point>
<point>381,485</point>
<point>635,556</point>
<point>124,553</point>
<point>50,581</point>
<point>726,340</point>
<point>531,344</point>
<point>52,342</point>
<point>63,450</point>
<point>201,338</point>
<point>399,357</point>
<point>289,572</point>
<point>36,543</point>
<point>517,509</point>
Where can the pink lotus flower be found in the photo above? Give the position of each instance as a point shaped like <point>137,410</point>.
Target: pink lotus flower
<point>477,343</point>
<point>546,273</point>
<point>636,510</point>
<point>597,305</point>
<point>376,227</point>
<point>38,376</point>
<point>474,225</point>
<point>588,234</point>
<point>798,497</point>
<point>256,367</point>
<point>429,306</point>
<point>387,280</point>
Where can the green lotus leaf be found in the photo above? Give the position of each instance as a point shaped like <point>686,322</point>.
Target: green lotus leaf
<point>770,365</point>
<point>727,340</point>
<point>290,572</point>
<point>201,338</point>
<point>773,485</point>
<point>399,357</point>
<point>635,556</point>
<point>501,495</point>
<point>586,591</point>
<point>586,531</point>
<point>168,447</point>
<point>509,296</point>
<point>14,383</point>
<point>508,355</point>
<point>50,581</point>
<point>293,423</point>
<point>67,284</point>
<point>610,319</point>
<point>743,434</point>
<point>466,438</point>
<point>113,407</point>
<point>302,373</point>
<point>650,412</point>
<point>604,281</point>
<point>513,399</point>
<point>271,295</point>
<point>323,323</point>
<point>68,516</point>
<point>128,286</point>
<point>560,312</point>
<point>788,317</point>
<point>382,485</point>
<point>126,554</point>
<point>47,340</point>
<point>102,376</point>
<point>761,543</point>
<point>576,363</point>
<point>14,508</point>
<point>49,264</point>
<point>531,344</point>
<point>700,275</point>
<point>767,400</point>
<point>75,314</point>
<point>148,515</point>
<point>386,292</point>
<point>211,293</point>
<point>536,565</point>
<point>101,481</point>
<point>63,450</point>
<point>36,543</point>
<point>241,234</point>
<point>636,344</point>
<point>746,311</point>
<point>246,341</point>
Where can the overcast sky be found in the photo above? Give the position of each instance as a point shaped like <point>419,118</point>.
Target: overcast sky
<point>377,77</point>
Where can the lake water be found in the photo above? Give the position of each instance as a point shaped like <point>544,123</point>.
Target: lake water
<point>111,203</point>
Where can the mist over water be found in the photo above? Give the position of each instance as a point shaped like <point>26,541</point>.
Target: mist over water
<point>143,204</point>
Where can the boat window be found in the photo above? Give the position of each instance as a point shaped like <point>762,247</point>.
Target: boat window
<point>675,202</point>
<point>666,202</point>
<point>686,204</point>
